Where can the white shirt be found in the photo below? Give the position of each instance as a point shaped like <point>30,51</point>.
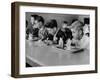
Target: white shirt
<point>84,42</point>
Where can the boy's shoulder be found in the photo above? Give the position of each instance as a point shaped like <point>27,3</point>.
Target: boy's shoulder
<point>60,31</point>
<point>67,29</point>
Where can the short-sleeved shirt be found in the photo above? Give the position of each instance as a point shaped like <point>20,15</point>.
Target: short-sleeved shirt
<point>33,31</point>
<point>65,35</point>
<point>84,42</point>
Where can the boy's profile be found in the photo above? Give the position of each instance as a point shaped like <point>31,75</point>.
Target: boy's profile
<point>29,29</point>
<point>50,30</point>
<point>80,38</point>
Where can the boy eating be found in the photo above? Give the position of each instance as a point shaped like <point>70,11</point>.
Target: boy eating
<point>64,33</point>
<point>80,39</point>
<point>50,30</point>
<point>29,29</point>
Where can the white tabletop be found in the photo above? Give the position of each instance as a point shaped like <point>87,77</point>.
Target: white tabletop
<point>51,56</point>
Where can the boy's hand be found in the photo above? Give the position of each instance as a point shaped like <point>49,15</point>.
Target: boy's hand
<point>55,38</point>
<point>48,42</point>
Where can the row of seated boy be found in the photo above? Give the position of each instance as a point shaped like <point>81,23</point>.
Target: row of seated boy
<point>51,34</point>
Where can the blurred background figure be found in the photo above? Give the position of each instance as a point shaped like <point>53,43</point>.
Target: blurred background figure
<point>85,41</point>
<point>86,26</point>
<point>26,23</point>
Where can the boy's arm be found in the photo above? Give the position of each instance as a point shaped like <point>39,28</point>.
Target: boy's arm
<point>56,35</point>
<point>43,34</point>
<point>84,43</point>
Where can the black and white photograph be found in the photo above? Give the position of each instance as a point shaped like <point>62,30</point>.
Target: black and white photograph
<point>51,39</point>
<point>57,39</point>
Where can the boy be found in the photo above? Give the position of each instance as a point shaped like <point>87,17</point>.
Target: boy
<point>80,39</point>
<point>63,33</point>
<point>50,30</point>
<point>39,23</point>
<point>86,27</point>
<point>30,25</point>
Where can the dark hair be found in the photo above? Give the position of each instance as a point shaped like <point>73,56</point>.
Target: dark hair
<point>82,33</point>
<point>35,16</point>
<point>40,19</point>
<point>65,22</point>
<point>26,23</point>
<point>86,21</point>
<point>74,20</point>
<point>51,24</point>
<point>54,22</point>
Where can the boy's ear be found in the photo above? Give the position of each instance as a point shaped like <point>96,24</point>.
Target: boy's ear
<point>54,28</point>
<point>40,23</point>
<point>81,31</point>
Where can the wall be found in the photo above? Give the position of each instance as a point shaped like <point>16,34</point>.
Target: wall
<point>81,18</point>
<point>58,17</point>
<point>5,40</point>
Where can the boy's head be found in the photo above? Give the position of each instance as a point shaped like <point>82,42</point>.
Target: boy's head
<point>77,30</point>
<point>33,18</point>
<point>64,24</point>
<point>51,26</point>
<point>77,34</point>
<point>39,22</point>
